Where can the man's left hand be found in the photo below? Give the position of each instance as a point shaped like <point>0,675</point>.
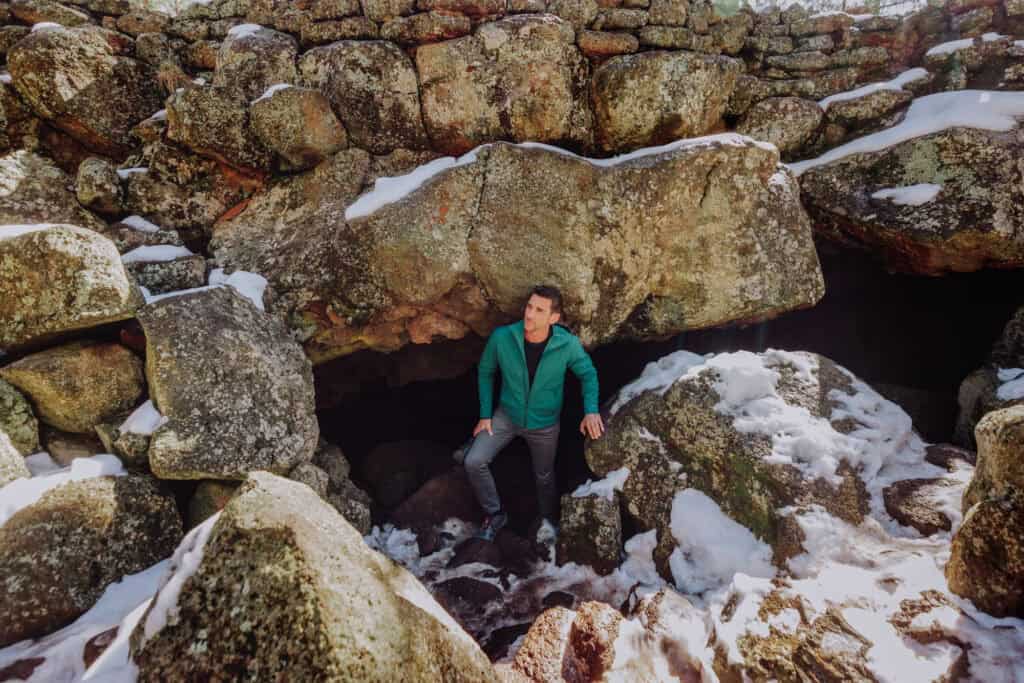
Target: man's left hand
<point>592,425</point>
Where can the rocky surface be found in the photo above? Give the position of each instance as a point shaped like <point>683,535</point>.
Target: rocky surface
<point>1000,469</point>
<point>61,552</point>
<point>237,391</point>
<point>590,532</point>
<point>18,421</point>
<point>37,191</point>
<point>305,611</point>
<point>59,279</point>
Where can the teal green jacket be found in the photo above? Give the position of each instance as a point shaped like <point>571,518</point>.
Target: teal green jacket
<point>540,405</point>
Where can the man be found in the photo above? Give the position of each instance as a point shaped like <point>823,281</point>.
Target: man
<point>532,355</point>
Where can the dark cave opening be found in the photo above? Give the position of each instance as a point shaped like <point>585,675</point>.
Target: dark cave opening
<point>913,338</point>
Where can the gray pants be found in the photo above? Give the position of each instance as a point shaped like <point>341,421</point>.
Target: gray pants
<point>543,445</point>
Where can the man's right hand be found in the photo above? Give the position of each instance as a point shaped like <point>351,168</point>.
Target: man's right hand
<point>481,426</point>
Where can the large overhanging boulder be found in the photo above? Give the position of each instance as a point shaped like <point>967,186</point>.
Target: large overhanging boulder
<point>287,589</point>
<point>948,201</point>
<point>236,390</point>
<point>696,234</point>
<point>761,435</point>
<point>59,278</point>
<point>59,554</point>
<point>79,80</point>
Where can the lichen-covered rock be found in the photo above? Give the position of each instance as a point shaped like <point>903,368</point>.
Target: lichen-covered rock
<point>76,386</point>
<point>214,122</point>
<point>590,532</point>
<point>159,277</point>
<point>751,89</point>
<point>250,60</point>
<point>789,123</point>
<point>1000,469</point>
<point>860,112</point>
<point>974,221</point>
<point>676,439</point>
<point>668,12</point>
<point>17,420</point>
<point>237,392</point>
<point>131,448</point>
<point>373,89</point>
<point>575,645</point>
<point>98,187</point>
<point>465,86</point>
<point>12,462</point>
<point>607,43</point>
<point>60,278</point>
<point>579,13</point>
<point>288,587</point>
<point>911,502</point>
<point>297,124</point>
<point>210,498</point>
<point>349,28</point>
<point>139,21</point>
<point>312,476</point>
<point>59,554</point>
<point>383,10</point>
<point>426,27</point>
<point>39,11</point>
<point>73,78</point>
<point>655,97</point>
<point>986,563</point>
<point>36,191</point>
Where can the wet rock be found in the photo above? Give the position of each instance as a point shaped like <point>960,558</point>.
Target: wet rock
<point>911,503</point>
<point>373,89</point>
<point>18,423</point>
<point>59,279</point>
<point>70,77</point>
<point>76,386</point>
<point>39,193</point>
<point>656,97</point>
<point>973,222</point>
<point>1000,469</point>
<point>590,532</point>
<point>298,125</point>
<point>304,613</point>
<point>159,277</point>
<point>59,554</point>
<point>236,390</point>
<point>464,86</point>
<point>676,440</point>
<point>986,563</point>
<point>789,123</point>
<point>98,187</point>
<point>213,122</point>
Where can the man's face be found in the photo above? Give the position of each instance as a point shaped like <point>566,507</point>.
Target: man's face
<point>538,315</point>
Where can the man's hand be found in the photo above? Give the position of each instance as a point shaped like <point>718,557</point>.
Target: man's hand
<point>483,425</point>
<point>592,425</point>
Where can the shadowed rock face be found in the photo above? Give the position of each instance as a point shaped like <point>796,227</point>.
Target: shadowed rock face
<point>975,221</point>
<point>694,236</point>
<point>288,588</point>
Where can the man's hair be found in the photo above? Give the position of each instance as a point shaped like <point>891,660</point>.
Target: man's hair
<point>551,293</point>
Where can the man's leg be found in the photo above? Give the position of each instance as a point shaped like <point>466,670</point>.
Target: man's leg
<point>485,447</point>
<point>543,448</point>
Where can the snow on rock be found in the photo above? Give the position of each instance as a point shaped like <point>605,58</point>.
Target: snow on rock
<point>139,223</point>
<point>10,231</point>
<point>604,488</point>
<point>1011,385</point>
<point>269,92</point>
<point>909,195</point>
<point>46,26</point>
<point>144,420</point>
<point>954,45</point>
<point>897,83</point>
<point>41,463</point>
<point>5,77</point>
<point>249,285</point>
<point>983,109</point>
<point>711,548</point>
<point>658,376</point>
<point>155,253</point>
<point>244,30</point>
<point>123,173</point>
<point>21,493</point>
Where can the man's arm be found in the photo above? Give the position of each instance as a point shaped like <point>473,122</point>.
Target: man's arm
<point>485,377</point>
<point>584,369</point>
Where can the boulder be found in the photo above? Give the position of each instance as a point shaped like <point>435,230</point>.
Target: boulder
<point>76,386</point>
<point>18,422</point>
<point>19,129</point>
<point>39,192</point>
<point>750,89</point>
<point>520,78</point>
<point>373,89</point>
<point>789,123</point>
<point>607,43</point>
<point>986,562</point>
<point>579,13</point>
<point>974,221</point>
<point>1000,469</point>
<point>59,554</point>
<point>395,469</point>
<point>210,498</point>
<point>674,430</point>
<point>350,28</point>
<point>590,532</point>
<point>253,58</point>
<point>98,186</point>
<point>237,392</point>
<point>425,27</point>
<point>70,77</point>
<point>291,589</point>
<point>297,124</point>
<point>66,447</point>
<point>861,112</point>
<point>214,122</point>
<point>655,97</point>
<point>382,10</point>
<point>57,279</point>
<point>911,502</point>
<point>159,277</point>
<point>40,11</point>
<point>569,645</point>
<point>312,476</point>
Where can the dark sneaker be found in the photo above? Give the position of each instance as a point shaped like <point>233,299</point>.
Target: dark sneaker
<point>492,525</point>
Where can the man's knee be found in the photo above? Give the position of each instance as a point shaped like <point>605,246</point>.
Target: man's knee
<point>478,458</point>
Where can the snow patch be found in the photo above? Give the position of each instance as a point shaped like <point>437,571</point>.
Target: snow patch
<point>244,30</point>
<point>658,376</point>
<point>5,77</point>
<point>123,173</point>
<point>954,45</point>
<point>249,285</point>
<point>605,488</point>
<point>144,420</point>
<point>909,195</point>
<point>46,26</point>
<point>269,92</point>
<point>1011,387</point>
<point>139,223</point>
<point>895,84</point>
<point>11,231</point>
<point>159,253</point>
<point>21,493</point>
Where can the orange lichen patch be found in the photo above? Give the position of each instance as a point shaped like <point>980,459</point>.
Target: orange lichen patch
<point>249,180</point>
<point>233,211</point>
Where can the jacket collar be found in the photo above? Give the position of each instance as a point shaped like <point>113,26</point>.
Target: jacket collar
<point>559,335</point>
